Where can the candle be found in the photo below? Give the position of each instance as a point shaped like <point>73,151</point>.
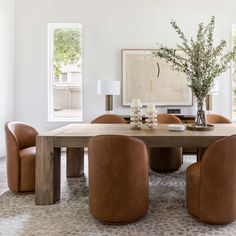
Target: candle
<point>136,102</point>
<point>151,107</point>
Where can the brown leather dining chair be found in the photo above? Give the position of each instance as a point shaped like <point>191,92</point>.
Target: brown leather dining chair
<point>118,178</point>
<point>217,119</point>
<point>109,119</point>
<point>20,158</point>
<point>75,156</point>
<point>212,119</point>
<point>166,159</point>
<point>211,185</point>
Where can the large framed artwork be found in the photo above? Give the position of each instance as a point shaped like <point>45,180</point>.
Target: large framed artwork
<point>152,80</point>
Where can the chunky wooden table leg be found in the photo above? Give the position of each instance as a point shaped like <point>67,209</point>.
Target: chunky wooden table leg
<point>74,162</point>
<point>47,171</point>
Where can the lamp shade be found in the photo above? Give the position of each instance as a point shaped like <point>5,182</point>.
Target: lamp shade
<point>108,87</point>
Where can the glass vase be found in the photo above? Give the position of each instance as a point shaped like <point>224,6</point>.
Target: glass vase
<point>200,120</point>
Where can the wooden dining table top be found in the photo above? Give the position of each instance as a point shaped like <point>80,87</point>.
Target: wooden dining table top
<point>160,137</point>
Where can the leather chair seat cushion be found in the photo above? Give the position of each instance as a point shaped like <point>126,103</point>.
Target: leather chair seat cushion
<point>27,169</point>
<point>193,189</point>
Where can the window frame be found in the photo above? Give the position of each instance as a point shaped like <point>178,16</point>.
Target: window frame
<point>50,95</point>
<point>233,118</point>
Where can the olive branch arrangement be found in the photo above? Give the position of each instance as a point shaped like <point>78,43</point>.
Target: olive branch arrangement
<point>198,58</point>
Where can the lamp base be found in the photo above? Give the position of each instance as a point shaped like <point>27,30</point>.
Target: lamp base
<point>109,103</point>
<point>209,102</point>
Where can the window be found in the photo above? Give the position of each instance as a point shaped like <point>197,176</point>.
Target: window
<point>233,76</point>
<point>64,77</point>
<point>64,72</point>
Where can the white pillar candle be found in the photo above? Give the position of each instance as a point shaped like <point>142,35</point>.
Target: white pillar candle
<point>151,107</point>
<point>136,102</point>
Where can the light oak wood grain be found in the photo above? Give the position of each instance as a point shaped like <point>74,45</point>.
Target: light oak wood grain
<point>47,171</point>
<point>78,135</point>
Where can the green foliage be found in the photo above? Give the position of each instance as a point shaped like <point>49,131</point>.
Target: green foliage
<point>67,48</point>
<point>198,59</point>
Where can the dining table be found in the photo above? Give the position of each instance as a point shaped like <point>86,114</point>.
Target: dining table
<point>76,136</point>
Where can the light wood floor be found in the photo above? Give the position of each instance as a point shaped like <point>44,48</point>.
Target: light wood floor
<point>3,176</point>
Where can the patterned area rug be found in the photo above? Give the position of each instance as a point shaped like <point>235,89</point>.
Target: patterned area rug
<point>167,213</point>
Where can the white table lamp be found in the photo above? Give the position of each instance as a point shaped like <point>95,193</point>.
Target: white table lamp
<point>109,88</point>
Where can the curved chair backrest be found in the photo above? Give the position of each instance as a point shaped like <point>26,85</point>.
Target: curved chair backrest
<point>117,145</point>
<point>168,119</point>
<point>23,134</point>
<point>217,119</point>
<point>109,119</point>
<point>218,185</point>
<point>18,136</point>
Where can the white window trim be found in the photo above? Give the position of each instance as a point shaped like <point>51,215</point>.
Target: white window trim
<point>233,118</point>
<point>50,49</point>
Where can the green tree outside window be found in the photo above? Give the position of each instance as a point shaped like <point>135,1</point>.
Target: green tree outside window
<point>67,48</point>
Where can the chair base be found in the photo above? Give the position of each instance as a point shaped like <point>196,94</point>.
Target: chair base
<point>164,171</point>
<point>23,192</point>
<point>122,222</point>
<point>165,159</point>
<point>210,223</point>
<point>74,177</point>
<point>195,217</point>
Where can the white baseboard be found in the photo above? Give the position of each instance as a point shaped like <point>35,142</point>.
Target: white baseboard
<point>2,152</point>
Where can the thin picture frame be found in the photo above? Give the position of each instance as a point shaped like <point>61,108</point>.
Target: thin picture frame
<point>139,74</point>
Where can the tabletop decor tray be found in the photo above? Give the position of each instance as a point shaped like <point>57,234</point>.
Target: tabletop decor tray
<point>195,128</point>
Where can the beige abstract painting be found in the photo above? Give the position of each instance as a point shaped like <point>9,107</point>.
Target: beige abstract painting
<point>152,80</point>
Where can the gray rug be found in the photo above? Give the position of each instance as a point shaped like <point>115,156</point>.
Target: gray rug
<point>167,213</point>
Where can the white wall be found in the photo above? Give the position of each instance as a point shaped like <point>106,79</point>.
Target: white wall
<point>108,27</point>
<point>7,85</point>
